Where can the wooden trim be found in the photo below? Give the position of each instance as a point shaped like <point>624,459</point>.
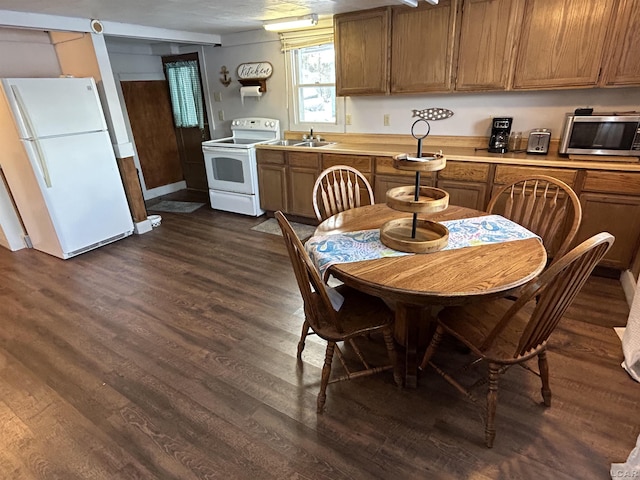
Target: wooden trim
<point>132,188</point>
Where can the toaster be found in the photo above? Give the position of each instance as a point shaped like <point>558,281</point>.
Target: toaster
<point>539,139</point>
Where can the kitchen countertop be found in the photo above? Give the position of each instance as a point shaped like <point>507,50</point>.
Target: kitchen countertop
<point>465,154</point>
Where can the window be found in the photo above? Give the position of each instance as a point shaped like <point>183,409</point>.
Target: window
<point>314,84</point>
<point>311,80</point>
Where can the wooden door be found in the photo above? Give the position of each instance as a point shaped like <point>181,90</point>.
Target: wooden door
<point>362,52</point>
<point>190,139</point>
<point>422,47</point>
<point>562,43</point>
<point>151,122</point>
<point>485,50</point>
<point>623,66</point>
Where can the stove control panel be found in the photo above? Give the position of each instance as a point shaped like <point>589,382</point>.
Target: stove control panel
<point>261,124</point>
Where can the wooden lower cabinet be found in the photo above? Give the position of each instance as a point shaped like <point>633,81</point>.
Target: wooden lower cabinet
<point>272,184</point>
<point>286,179</point>
<point>301,181</point>
<point>465,194</point>
<point>618,215</point>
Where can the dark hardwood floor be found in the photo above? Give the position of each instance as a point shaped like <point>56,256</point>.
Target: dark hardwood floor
<point>173,355</point>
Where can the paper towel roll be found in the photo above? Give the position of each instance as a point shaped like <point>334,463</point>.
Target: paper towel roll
<point>249,92</point>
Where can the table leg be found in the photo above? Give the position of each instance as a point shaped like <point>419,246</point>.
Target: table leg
<point>410,331</point>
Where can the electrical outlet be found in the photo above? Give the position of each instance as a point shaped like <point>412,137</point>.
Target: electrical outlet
<point>217,96</point>
<point>347,119</point>
<point>387,119</point>
<point>221,115</point>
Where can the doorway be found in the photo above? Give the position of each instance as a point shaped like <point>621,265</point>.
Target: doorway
<point>189,114</point>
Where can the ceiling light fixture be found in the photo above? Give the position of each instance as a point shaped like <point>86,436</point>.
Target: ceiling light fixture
<point>280,24</point>
<point>414,3</point>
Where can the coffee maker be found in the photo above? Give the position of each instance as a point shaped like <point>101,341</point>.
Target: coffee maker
<point>500,130</point>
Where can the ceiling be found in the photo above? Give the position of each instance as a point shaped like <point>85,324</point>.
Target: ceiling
<point>200,16</point>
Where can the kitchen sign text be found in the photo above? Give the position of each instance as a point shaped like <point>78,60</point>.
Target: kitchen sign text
<point>258,70</point>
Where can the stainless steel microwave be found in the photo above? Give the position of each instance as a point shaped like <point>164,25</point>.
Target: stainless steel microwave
<point>601,134</point>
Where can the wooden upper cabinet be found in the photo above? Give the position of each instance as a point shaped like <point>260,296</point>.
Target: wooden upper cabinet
<point>422,42</point>
<point>486,44</point>
<point>562,43</point>
<point>362,52</point>
<point>622,67</point>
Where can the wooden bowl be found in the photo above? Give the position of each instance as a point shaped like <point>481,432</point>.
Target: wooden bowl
<point>430,236</point>
<point>429,162</point>
<point>430,199</point>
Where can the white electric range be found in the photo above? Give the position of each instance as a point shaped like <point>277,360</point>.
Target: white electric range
<point>232,170</point>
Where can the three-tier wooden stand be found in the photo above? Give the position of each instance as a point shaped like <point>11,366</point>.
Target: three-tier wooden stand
<point>413,234</point>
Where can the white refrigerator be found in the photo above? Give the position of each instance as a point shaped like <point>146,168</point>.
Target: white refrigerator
<point>60,166</point>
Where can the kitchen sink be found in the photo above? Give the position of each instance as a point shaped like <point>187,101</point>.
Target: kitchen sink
<point>286,143</point>
<point>313,144</point>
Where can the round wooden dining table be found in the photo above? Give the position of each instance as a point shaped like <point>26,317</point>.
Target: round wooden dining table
<point>414,284</point>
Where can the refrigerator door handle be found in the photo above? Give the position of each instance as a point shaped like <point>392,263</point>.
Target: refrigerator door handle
<point>27,122</point>
<point>42,162</point>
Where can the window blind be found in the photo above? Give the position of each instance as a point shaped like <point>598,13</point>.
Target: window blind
<point>186,96</point>
<point>306,38</point>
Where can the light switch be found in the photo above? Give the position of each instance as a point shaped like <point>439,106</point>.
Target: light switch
<point>221,115</point>
<point>387,119</point>
<point>217,96</point>
<point>347,119</point>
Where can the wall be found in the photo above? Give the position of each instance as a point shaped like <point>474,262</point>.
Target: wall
<point>27,53</point>
<point>472,111</point>
<point>247,47</point>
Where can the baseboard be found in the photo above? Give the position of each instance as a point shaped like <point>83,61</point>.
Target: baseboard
<point>165,190</point>
<point>628,285</point>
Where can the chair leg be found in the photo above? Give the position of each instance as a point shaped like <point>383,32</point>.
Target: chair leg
<point>433,346</point>
<point>393,356</point>
<point>326,373</point>
<point>303,337</point>
<point>492,403</point>
<point>544,376</point>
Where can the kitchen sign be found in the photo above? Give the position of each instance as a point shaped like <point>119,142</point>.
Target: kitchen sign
<point>256,70</point>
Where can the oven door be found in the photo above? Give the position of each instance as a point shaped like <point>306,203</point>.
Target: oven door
<point>231,169</point>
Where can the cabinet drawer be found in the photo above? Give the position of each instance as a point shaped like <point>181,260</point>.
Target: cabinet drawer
<point>471,172</point>
<point>384,166</point>
<point>303,159</point>
<point>506,174</point>
<point>359,162</point>
<point>612,182</point>
<point>270,156</point>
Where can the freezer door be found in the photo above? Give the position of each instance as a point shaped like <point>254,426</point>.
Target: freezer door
<point>46,107</point>
<point>84,192</point>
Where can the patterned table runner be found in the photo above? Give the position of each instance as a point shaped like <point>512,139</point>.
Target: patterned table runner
<point>326,250</point>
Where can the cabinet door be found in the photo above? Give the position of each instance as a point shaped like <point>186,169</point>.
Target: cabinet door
<point>618,215</point>
<point>300,182</point>
<point>562,43</point>
<point>465,194</point>
<point>485,49</point>
<point>422,47</point>
<point>623,66</point>
<point>362,51</point>
<point>273,187</point>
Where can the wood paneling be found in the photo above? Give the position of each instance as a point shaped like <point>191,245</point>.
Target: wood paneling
<point>132,188</point>
<point>151,121</point>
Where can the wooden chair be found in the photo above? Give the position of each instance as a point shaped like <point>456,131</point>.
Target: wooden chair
<point>359,315</point>
<point>503,333</point>
<point>338,189</point>
<point>541,204</point>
